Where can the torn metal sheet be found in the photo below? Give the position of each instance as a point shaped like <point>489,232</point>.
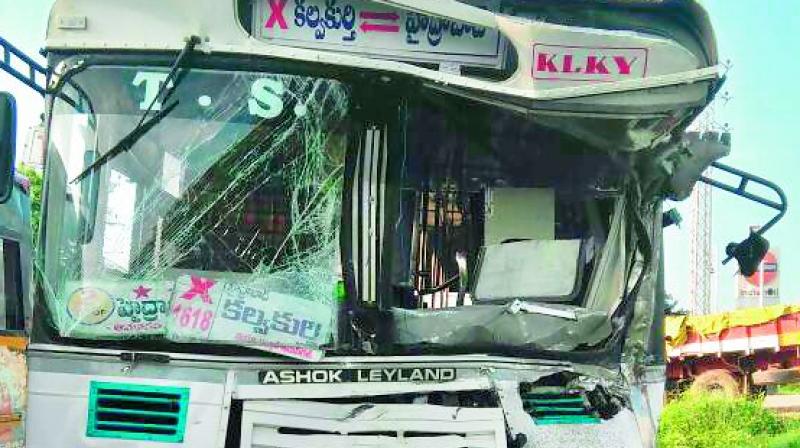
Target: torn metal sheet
<point>303,424</point>
<point>302,413</point>
<point>644,346</point>
<point>618,431</point>
<point>500,324</point>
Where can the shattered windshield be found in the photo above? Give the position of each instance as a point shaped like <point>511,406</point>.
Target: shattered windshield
<point>219,225</point>
<point>502,233</point>
<point>494,207</point>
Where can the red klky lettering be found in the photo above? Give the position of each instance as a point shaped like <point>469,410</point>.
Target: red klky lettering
<point>595,65</point>
<point>546,63</point>
<point>566,64</point>
<point>623,65</point>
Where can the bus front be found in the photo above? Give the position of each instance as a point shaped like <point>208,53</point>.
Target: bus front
<point>299,223</point>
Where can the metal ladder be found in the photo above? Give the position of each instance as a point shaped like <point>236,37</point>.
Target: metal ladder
<point>36,76</point>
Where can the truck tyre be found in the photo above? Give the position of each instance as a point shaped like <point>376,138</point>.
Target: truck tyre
<point>716,381</point>
<point>774,377</point>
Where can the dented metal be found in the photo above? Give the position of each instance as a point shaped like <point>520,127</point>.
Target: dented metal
<point>383,219</point>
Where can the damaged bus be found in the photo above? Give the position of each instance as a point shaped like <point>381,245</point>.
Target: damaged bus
<point>290,223</point>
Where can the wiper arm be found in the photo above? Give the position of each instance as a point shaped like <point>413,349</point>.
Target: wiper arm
<point>146,123</point>
<point>127,142</point>
<point>520,306</point>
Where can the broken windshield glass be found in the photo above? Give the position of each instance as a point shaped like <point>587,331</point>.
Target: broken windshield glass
<point>221,225</point>
<point>528,207</point>
<point>501,233</point>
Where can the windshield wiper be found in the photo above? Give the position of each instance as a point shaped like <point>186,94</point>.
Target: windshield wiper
<point>146,123</point>
<point>520,306</point>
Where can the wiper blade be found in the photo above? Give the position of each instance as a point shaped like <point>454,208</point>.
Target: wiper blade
<point>146,123</point>
<point>520,306</point>
<point>127,142</point>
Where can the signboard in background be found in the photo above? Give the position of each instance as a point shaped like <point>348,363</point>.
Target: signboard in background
<point>33,153</point>
<point>368,28</point>
<point>763,287</point>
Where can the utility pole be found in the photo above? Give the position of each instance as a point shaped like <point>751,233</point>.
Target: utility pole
<point>701,267</point>
<point>702,271</point>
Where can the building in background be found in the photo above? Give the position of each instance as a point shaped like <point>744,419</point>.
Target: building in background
<point>32,153</point>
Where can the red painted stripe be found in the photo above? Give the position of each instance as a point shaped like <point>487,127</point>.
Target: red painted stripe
<point>368,27</point>
<point>379,15</point>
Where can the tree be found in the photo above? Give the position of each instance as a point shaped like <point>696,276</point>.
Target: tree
<point>671,306</point>
<point>35,178</point>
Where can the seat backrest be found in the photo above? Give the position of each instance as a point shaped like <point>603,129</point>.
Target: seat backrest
<point>519,213</point>
<point>541,270</point>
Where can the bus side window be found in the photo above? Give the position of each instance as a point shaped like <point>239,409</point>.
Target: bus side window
<point>12,315</point>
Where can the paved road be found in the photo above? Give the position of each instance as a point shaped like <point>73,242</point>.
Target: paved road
<point>783,403</point>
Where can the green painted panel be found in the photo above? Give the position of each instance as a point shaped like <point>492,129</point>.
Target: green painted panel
<point>559,409</point>
<point>137,412</point>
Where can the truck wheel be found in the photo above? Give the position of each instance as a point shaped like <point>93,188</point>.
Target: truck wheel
<point>774,377</point>
<point>716,381</point>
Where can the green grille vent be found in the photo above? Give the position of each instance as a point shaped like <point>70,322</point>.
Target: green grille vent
<point>559,408</point>
<point>137,412</point>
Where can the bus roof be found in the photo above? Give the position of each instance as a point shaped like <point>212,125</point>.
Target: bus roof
<point>149,25</point>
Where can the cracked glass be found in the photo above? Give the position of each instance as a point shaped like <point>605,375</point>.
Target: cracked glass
<point>219,225</point>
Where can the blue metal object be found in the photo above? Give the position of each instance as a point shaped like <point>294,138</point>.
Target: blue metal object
<point>137,412</point>
<point>559,408</point>
<point>36,78</point>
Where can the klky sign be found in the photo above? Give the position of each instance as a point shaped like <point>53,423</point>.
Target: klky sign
<point>577,63</point>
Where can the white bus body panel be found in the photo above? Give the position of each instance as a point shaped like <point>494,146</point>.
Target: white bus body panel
<point>58,410</point>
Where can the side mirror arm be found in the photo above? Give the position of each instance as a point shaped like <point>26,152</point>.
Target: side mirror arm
<point>741,190</point>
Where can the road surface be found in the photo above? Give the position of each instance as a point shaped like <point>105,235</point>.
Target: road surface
<point>784,404</point>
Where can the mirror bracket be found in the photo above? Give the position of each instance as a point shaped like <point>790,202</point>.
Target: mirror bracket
<point>750,248</point>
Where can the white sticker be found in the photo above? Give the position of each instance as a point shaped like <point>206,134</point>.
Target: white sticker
<point>236,312</point>
<point>115,309</point>
<point>373,29</point>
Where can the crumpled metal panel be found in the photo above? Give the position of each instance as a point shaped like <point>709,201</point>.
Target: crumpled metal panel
<point>620,431</point>
<point>305,424</point>
<point>640,331</point>
<point>484,324</point>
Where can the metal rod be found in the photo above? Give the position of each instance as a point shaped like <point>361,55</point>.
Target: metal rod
<point>760,180</point>
<point>744,194</point>
<point>746,178</point>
